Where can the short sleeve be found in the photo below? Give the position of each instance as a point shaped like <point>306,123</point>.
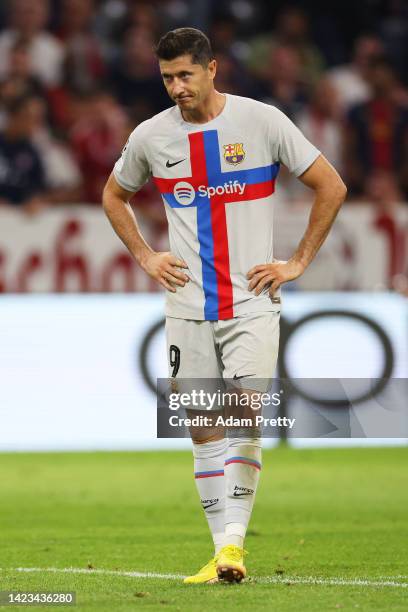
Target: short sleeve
<point>293,149</point>
<point>132,169</point>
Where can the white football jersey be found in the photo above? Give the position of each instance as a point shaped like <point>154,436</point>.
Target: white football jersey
<point>217,182</point>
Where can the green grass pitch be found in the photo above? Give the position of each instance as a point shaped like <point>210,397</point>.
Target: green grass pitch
<point>323,520</point>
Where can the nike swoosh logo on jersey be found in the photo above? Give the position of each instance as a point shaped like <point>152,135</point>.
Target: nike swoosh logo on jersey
<point>209,505</point>
<point>240,494</point>
<point>170,165</point>
<point>235,377</point>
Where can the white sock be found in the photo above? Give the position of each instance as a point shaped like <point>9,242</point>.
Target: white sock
<point>218,539</point>
<point>242,469</point>
<point>234,534</point>
<point>209,477</point>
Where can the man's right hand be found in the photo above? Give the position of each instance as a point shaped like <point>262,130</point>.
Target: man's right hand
<point>163,267</point>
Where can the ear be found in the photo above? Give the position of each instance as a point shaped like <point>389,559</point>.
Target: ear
<point>212,68</point>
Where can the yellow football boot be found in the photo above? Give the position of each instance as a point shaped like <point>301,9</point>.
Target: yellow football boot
<point>206,575</point>
<point>230,564</point>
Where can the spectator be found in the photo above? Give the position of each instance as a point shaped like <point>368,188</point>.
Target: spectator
<point>230,76</point>
<point>292,30</point>
<point>85,65</point>
<point>19,80</point>
<point>283,84</point>
<point>382,190</point>
<point>144,16</point>
<point>97,140</point>
<point>135,79</point>
<point>394,33</point>
<point>62,174</point>
<point>320,122</point>
<point>113,18</point>
<point>177,13</point>
<point>350,80</point>
<point>225,38</point>
<point>22,178</point>
<point>377,134</point>
<point>28,20</point>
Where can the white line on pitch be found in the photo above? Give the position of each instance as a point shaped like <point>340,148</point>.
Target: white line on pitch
<point>81,570</point>
<point>386,581</point>
<point>389,582</point>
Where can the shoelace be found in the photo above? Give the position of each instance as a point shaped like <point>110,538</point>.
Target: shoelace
<point>235,552</point>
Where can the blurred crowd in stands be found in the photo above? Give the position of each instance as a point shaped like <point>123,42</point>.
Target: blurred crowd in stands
<point>76,76</point>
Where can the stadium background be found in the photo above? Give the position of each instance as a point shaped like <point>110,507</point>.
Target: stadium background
<point>76,76</point>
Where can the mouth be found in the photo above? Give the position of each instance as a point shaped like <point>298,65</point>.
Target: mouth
<point>183,99</point>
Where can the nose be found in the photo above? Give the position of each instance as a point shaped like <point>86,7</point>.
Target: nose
<point>178,87</point>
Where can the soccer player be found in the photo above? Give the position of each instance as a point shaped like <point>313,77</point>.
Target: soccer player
<point>214,158</point>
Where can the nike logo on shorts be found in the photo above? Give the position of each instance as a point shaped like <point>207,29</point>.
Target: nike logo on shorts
<point>235,377</point>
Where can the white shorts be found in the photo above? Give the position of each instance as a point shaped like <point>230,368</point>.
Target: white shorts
<point>241,349</point>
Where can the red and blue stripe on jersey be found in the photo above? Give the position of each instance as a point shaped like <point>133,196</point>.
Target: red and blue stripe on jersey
<point>211,214</point>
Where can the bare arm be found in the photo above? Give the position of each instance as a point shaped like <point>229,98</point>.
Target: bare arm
<point>330,192</point>
<point>163,267</point>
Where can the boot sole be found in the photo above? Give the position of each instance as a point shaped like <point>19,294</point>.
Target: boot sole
<point>230,574</point>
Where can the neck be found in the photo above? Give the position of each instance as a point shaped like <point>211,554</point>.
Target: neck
<point>208,110</point>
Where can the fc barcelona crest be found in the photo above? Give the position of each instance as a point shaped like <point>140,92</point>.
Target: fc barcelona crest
<point>234,153</point>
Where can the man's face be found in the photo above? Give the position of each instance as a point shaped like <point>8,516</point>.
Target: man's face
<point>28,16</point>
<point>187,84</point>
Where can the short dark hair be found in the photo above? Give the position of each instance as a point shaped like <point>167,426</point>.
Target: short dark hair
<point>185,41</point>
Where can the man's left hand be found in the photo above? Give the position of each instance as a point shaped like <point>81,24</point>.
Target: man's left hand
<point>273,274</point>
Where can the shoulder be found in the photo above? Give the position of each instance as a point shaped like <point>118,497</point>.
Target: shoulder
<point>164,120</point>
<point>258,111</point>
<point>156,125</point>
<point>249,103</point>
<point>47,43</point>
<point>246,104</point>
